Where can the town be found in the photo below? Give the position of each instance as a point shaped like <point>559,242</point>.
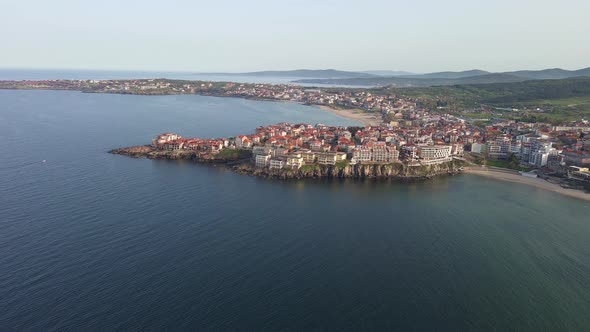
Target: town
<point>410,132</point>
<point>296,145</point>
<point>345,98</point>
<point>418,138</point>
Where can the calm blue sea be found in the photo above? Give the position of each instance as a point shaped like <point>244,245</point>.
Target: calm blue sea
<point>93,241</point>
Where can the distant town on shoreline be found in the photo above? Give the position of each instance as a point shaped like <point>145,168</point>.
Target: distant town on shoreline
<point>413,130</point>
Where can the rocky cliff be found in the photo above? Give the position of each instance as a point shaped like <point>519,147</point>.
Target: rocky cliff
<point>396,170</point>
<point>147,151</point>
<point>244,166</point>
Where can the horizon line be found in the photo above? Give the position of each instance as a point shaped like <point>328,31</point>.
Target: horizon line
<point>197,72</point>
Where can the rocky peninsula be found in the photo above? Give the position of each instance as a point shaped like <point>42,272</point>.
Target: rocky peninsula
<point>296,151</point>
<point>241,162</point>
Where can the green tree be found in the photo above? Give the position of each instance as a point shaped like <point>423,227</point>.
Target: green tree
<point>513,161</point>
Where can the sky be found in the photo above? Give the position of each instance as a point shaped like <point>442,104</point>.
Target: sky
<point>251,35</point>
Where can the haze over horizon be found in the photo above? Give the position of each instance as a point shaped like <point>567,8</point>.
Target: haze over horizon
<point>229,36</point>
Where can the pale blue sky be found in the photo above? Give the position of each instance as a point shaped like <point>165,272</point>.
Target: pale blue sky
<point>223,35</point>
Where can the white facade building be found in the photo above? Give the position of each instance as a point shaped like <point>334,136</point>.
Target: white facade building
<point>434,154</point>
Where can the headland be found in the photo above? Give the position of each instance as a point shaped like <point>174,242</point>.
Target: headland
<point>287,151</point>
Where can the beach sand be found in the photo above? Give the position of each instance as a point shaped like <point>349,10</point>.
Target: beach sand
<point>366,119</point>
<point>535,182</point>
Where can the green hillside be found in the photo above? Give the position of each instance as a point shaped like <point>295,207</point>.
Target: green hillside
<point>553,100</point>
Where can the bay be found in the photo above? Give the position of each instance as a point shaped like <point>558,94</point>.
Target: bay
<point>93,241</point>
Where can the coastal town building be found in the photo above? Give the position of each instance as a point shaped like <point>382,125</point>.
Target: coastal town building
<point>262,160</point>
<point>161,139</point>
<point>499,148</point>
<point>416,137</point>
<point>435,154</point>
<point>309,157</point>
<point>295,161</point>
<point>577,158</point>
<point>330,158</point>
<point>579,173</point>
<point>277,163</point>
<point>376,154</point>
<point>243,142</point>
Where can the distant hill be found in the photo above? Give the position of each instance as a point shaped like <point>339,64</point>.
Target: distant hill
<point>406,79</point>
<point>304,73</point>
<point>453,78</point>
<point>407,82</point>
<point>389,73</point>
<point>555,73</point>
<point>509,92</point>
<point>451,74</point>
<point>531,90</point>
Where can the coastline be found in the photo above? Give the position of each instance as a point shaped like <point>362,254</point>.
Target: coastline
<point>357,114</point>
<point>242,164</point>
<point>366,119</point>
<point>539,183</point>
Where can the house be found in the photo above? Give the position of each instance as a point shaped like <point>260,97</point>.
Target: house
<point>261,150</point>
<point>362,154</point>
<point>309,157</point>
<point>579,173</point>
<point>434,154</point>
<point>330,158</point>
<point>409,152</point>
<point>499,148</point>
<point>159,140</point>
<point>262,160</point>
<point>316,145</point>
<point>384,154</point>
<point>240,141</point>
<point>457,149</point>
<point>295,161</point>
<point>277,163</point>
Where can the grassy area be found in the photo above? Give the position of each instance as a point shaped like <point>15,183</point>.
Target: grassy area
<point>506,164</point>
<point>309,168</point>
<point>234,154</point>
<point>561,109</point>
<point>342,164</point>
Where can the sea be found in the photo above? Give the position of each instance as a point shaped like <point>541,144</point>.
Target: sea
<point>94,241</point>
<point>53,74</point>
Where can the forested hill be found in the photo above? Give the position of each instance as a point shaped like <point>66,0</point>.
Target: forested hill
<point>508,92</point>
<point>452,78</point>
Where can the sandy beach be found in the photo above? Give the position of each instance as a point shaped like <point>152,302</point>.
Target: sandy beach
<point>367,119</point>
<point>514,177</point>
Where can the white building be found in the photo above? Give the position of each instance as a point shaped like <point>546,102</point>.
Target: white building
<point>434,154</point>
<point>385,154</point>
<point>540,153</point>
<point>362,154</point>
<point>478,147</point>
<point>277,163</point>
<point>261,150</point>
<point>499,148</point>
<point>262,160</point>
<point>164,138</point>
<point>295,160</point>
<point>330,158</point>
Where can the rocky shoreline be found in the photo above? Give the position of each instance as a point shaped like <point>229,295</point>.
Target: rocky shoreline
<point>361,171</point>
<point>149,152</point>
<point>241,165</point>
